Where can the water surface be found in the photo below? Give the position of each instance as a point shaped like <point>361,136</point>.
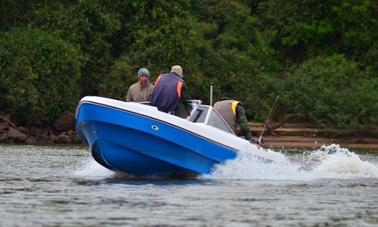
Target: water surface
<point>63,186</point>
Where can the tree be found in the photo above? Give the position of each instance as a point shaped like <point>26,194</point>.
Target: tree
<point>38,76</point>
<point>90,26</point>
<point>331,90</point>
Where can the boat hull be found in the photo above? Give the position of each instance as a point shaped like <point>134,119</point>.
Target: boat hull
<point>125,141</point>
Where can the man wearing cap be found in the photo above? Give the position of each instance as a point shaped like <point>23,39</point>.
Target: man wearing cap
<point>169,94</point>
<point>141,90</point>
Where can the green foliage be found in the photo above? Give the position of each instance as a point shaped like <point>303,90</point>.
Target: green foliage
<point>320,56</point>
<point>243,56</point>
<point>158,32</point>
<point>356,22</point>
<point>331,91</point>
<point>122,75</point>
<point>159,35</point>
<point>90,26</point>
<point>14,13</point>
<point>307,28</point>
<point>371,57</point>
<point>38,76</point>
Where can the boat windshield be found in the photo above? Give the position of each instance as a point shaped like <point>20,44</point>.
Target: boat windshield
<point>199,114</point>
<point>207,115</point>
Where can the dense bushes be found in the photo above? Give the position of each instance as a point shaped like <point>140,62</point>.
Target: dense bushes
<point>321,57</point>
<point>331,90</point>
<point>38,76</point>
<point>88,25</point>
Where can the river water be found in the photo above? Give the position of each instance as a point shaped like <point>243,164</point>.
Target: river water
<point>63,186</point>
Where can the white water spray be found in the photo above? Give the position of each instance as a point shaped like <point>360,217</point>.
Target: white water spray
<point>327,162</point>
<point>264,164</point>
<point>92,169</point>
<point>341,161</point>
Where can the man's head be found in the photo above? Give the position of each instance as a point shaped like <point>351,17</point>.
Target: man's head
<point>143,75</point>
<point>178,70</point>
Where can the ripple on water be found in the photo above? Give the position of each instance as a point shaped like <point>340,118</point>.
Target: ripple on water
<point>43,186</point>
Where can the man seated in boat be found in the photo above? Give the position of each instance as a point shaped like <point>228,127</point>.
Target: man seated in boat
<point>170,93</point>
<point>142,89</point>
<point>233,113</point>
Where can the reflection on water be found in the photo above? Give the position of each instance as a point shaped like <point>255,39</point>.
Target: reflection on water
<point>63,186</point>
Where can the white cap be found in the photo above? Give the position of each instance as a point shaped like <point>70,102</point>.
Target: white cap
<point>178,70</point>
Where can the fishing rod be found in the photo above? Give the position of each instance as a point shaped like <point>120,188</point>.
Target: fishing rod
<point>267,119</point>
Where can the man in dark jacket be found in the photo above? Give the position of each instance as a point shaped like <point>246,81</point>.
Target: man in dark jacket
<point>233,113</point>
<point>169,94</point>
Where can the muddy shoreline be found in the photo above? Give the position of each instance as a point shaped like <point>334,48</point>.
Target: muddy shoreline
<point>61,132</point>
<point>287,136</point>
<point>304,136</point>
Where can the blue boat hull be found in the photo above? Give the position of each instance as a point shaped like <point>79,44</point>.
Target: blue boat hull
<point>129,142</point>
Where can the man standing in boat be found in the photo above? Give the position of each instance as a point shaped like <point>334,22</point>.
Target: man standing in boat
<point>169,94</point>
<point>233,113</point>
<point>141,90</point>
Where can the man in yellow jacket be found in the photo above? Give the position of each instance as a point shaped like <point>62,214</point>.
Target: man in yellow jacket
<point>233,113</point>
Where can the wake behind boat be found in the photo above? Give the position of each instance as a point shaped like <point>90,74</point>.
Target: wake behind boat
<point>138,139</point>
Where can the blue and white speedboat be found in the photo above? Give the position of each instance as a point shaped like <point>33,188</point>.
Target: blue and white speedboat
<point>138,139</point>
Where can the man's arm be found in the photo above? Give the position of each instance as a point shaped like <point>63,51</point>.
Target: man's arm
<point>129,97</point>
<point>185,97</point>
<point>184,108</point>
<point>151,88</point>
<point>241,119</point>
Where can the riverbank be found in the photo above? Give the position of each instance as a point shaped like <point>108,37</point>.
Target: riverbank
<point>287,136</point>
<point>303,136</point>
<point>61,132</point>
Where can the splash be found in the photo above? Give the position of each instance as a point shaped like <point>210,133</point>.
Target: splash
<point>91,168</point>
<point>328,162</point>
<point>341,161</point>
<point>264,164</point>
